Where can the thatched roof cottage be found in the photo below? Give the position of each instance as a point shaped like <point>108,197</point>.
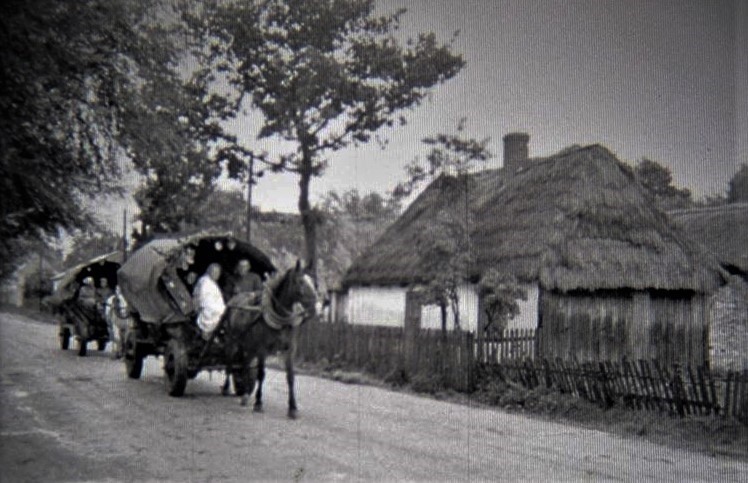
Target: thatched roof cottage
<point>723,230</point>
<point>606,272</point>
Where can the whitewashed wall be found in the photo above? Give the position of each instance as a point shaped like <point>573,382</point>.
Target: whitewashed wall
<point>528,310</point>
<point>376,306</point>
<point>385,306</point>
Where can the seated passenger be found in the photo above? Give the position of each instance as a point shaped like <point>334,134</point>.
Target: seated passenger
<point>208,300</point>
<point>87,293</point>
<point>103,292</point>
<point>244,281</point>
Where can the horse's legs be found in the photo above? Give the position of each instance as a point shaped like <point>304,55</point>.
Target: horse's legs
<point>290,379</point>
<point>225,388</point>
<point>290,354</point>
<point>260,379</point>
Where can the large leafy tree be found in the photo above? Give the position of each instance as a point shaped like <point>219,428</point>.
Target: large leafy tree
<point>325,75</point>
<point>174,134</point>
<point>168,137</point>
<point>67,67</point>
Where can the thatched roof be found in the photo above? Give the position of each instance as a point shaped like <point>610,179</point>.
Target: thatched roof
<point>723,230</point>
<point>577,220</point>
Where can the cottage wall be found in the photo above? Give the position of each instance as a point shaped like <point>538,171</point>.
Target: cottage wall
<point>669,327</point>
<point>384,306</point>
<point>728,330</point>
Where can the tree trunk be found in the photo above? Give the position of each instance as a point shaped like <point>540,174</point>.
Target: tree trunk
<point>309,222</point>
<point>443,310</point>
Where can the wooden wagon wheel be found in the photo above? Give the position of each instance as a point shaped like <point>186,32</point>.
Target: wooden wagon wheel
<point>176,367</point>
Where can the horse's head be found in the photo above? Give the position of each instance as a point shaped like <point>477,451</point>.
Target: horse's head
<point>297,288</point>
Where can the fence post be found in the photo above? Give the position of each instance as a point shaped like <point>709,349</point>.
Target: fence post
<point>413,305</point>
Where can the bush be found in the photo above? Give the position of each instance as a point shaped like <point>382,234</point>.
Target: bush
<point>397,377</point>
<point>428,383</point>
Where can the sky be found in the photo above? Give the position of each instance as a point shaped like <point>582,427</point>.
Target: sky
<point>666,80</point>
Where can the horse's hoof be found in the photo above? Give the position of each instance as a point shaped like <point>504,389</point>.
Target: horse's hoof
<point>244,401</point>
<point>292,414</point>
<point>225,392</point>
<point>257,409</point>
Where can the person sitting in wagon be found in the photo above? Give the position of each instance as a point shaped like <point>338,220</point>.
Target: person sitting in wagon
<point>103,292</point>
<point>87,293</point>
<point>208,300</point>
<point>244,281</point>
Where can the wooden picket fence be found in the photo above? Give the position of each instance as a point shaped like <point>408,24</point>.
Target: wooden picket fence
<point>383,350</point>
<point>642,385</point>
<point>511,344</point>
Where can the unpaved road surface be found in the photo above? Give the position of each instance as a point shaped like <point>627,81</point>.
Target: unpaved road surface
<point>66,418</point>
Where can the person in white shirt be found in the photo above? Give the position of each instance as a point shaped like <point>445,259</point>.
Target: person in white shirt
<point>209,300</point>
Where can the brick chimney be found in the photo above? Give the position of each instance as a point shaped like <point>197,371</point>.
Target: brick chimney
<point>516,150</point>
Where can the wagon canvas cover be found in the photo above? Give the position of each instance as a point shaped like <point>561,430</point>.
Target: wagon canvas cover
<point>139,276</point>
<point>94,267</point>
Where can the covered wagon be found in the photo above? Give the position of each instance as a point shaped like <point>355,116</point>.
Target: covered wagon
<point>157,282</point>
<point>78,301</point>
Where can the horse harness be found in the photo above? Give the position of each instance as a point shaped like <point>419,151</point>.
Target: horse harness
<point>270,315</point>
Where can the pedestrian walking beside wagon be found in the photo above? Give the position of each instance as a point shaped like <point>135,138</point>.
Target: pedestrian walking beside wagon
<point>117,316</point>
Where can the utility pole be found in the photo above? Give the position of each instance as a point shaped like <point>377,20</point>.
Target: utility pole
<point>124,235</point>
<point>250,182</point>
<point>41,283</point>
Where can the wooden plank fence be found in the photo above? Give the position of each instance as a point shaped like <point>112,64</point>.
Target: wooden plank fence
<point>511,344</point>
<point>382,350</point>
<point>642,385</point>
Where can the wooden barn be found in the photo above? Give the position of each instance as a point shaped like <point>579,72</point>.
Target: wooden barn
<point>607,274</point>
<point>723,231</point>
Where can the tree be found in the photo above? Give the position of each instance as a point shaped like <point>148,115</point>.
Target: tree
<point>658,180</point>
<point>67,67</point>
<point>738,188</point>
<point>449,154</point>
<point>499,293</point>
<point>372,205</point>
<point>174,134</point>
<point>325,75</point>
<point>448,256</point>
<point>446,245</point>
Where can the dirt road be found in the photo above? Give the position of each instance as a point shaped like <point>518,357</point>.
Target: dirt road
<point>66,418</point>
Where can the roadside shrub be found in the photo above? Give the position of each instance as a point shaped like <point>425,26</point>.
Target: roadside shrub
<point>428,383</point>
<point>397,377</point>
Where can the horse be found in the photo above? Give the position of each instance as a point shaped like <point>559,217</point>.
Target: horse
<point>287,302</point>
